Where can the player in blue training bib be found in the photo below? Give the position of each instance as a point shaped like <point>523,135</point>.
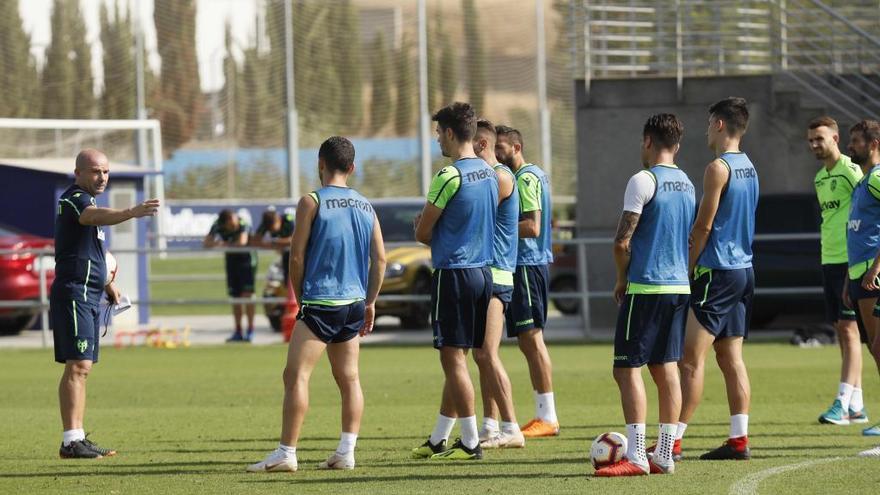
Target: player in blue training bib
<point>78,287</point>
<point>458,222</point>
<point>494,382</point>
<point>651,257</point>
<point>863,243</point>
<point>337,263</point>
<point>526,314</point>
<point>723,282</point>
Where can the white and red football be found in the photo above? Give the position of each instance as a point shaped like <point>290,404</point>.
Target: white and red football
<point>607,449</point>
<point>112,267</point>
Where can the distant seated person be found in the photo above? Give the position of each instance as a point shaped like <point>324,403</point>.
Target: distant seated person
<point>278,226</point>
<point>230,231</point>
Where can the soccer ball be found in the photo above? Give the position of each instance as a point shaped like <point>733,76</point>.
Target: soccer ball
<point>112,267</point>
<point>607,449</point>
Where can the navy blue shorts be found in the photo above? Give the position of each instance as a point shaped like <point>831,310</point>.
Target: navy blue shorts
<point>76,329</point>
<point>459,302</point>
<point>856,292</point>
<point>650,329</point>
<point>333,324</point>
<point>239,280</point>
<point>503,292</point>
<point>722,300</point>
<point>528,304</point>
<point>833,277</point>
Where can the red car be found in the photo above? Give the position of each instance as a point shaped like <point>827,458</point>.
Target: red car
<point>20,277</point>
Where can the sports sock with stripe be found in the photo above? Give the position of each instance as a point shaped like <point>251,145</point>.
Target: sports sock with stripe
<point>346,443</point>
<point>545,407</point>
<point>635,444</point>
<point>287,450</point>
<point>856,402</point>
<point>844,395</point>
<point>469,436</point>
<point>442,429</point>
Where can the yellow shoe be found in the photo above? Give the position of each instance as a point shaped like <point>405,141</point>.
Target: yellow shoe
<point>540,428</point>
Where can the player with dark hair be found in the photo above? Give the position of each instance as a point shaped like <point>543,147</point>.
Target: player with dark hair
<point>723,281</point>
<point>337,262</point>
<point>494,382</point>
<point>651,255</point>
<point>78,288</point>
<point>458,222</point>
<point>863,243</point>
<point>231,231</point>
<point>278,226</point>
<point>527,313</point>
<point>835,182</point>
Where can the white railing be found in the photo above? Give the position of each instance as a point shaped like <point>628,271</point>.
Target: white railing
<point>583,294</point>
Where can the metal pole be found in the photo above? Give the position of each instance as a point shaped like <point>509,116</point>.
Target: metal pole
<point>679,62</point>
<point>783,34</point>
<point>44,300</point>
<point>543,109</point>
<point>424,115</point>
<point>584,288</point>
<point>588,66</point>
<point>292,117</point>
<point>140,97</point>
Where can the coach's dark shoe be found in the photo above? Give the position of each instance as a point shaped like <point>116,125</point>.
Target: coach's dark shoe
<point>729,450</point>
<point>78,449</point>
<point>428,449</point>
<point>100,450</point>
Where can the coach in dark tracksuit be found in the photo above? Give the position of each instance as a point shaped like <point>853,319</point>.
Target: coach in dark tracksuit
<point>79,284</point>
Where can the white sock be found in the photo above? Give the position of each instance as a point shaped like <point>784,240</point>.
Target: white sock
<point>346,444</point>
<point>635,444</point>
<point>287,450</point>
<point>739,425</point>
<point>490,425</point>
<point>509,428</point>
<point>469,436</point>
<point>665,440</point>
<point>442,429</point>
<point>72,436</point>
<point>545,407</point>
<point>680,433</point>
<point>856,402</point>
<point>844,394</point>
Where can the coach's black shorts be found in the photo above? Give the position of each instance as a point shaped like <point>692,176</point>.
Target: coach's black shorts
<point>833,278</point>
<point>459,302</point>
<point>528,305</point>
<point>76,329</point>
<point>333,324</point>
<point>722,300</point>
<point>856,292</point>
<point>239,279</point>
<point>650,329</point>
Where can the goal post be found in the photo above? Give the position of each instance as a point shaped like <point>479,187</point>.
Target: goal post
<point>135,142</point>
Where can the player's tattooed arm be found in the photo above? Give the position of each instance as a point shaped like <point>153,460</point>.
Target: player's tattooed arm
<point>625,228</point>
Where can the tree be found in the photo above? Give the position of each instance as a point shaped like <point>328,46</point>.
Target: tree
<point>404,110</point>
<point>59,72</point>
<point>84,83</point>
<point>18,73</point>
<point>230,93</point>
<point>380,102</point>
<point>258,125</point>
<point>118,97</point>
<point>476,73</point>
<point>347,62</point>
<point>179,85</point>
<point>448,80</point>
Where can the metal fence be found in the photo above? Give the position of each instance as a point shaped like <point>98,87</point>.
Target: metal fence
<point>584,294</point>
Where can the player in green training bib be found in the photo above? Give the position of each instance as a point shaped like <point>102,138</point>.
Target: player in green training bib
<point>835,182</point>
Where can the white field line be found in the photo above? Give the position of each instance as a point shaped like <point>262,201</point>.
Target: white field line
<point>748,485</point>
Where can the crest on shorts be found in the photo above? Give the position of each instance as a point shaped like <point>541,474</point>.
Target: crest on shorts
<point>833,184</point>
<point>82,345</point>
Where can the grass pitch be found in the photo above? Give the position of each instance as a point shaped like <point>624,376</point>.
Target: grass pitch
<point>190,420</point>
